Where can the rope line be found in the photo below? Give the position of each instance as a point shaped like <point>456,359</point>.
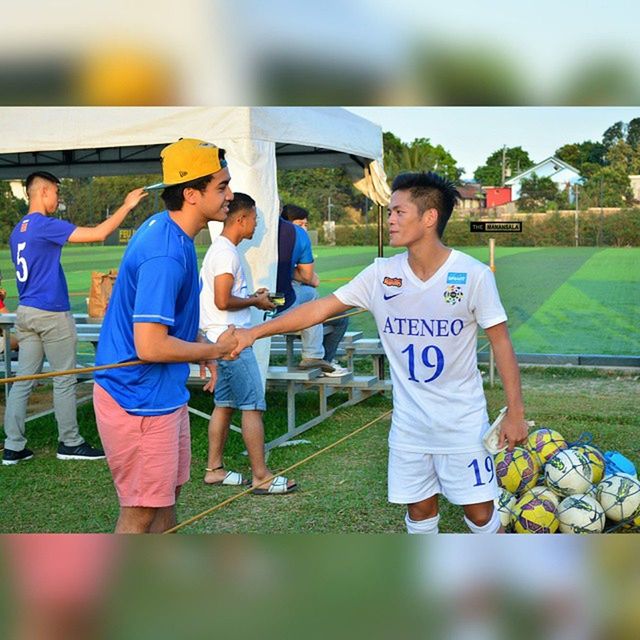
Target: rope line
<point>346,315</point>
<point>70,372</point>
<point>236,496</point>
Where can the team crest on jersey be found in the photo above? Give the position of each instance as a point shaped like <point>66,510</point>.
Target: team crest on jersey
<point>453,294</point>
<point>392,282</point>
<point>23,226</point>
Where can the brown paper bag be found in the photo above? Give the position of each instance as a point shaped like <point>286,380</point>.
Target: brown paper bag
<point>100,292</point>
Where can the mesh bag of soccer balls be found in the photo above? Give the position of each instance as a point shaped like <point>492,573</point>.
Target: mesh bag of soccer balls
<point>550,485</point>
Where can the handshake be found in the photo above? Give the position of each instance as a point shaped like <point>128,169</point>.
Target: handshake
<point>232,341</point>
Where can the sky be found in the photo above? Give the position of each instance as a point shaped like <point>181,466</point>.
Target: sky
<point>471,134</point>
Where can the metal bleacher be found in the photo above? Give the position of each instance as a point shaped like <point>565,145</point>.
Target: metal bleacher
<point>286,377</point>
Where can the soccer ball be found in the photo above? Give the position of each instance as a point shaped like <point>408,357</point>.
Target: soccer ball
<point>581,513</point>
<point>545,443</point>
<point>595,458</point>
<point>540,491</point>
<point>633,524</point>
<point>516,470</point>
<point>568,472</point>
<point>504,506</point>
<point>619,495</point>
<point>535,515</point>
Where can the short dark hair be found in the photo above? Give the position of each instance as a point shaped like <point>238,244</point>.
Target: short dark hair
<point>428,190</point>
<point>45,175</point>
<point>293,212</point>
<point>173,196</point>
<point>241,202</point>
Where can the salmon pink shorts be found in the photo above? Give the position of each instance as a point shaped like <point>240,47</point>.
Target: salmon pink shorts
<point>149,456</point>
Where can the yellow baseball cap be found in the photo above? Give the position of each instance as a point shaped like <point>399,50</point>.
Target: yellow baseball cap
<point>188,159</point>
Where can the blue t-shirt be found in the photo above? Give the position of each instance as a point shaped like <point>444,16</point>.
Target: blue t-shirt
<point>157,282</point>
<point>294,248</point>
<point>36,245</point>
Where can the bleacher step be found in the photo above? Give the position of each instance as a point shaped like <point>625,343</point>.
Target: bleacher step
<point>284,373</point>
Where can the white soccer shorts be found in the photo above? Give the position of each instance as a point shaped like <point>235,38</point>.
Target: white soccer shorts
<point>462,478</point>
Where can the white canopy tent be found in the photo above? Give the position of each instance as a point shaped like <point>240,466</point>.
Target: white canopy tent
<point>92,141</point>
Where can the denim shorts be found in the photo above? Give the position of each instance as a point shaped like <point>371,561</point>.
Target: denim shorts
<point>239,384</point>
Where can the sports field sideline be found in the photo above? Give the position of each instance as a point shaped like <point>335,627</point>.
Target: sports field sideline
<point>583,300</point>
<point>566,300</point>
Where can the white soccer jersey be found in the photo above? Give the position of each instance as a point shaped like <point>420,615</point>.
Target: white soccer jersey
<point>221,257</point>
<point>429,333</point>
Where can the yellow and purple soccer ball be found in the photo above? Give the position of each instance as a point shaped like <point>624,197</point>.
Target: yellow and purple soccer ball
<point>534,514</point>
<point>542,491</point>
<point>581,513</point>
<point>545,443</point>
<point>619,495</point>
<point>595,458</point>
<point>632,524</point>
<point>568,472</point>
<point>516,470</point>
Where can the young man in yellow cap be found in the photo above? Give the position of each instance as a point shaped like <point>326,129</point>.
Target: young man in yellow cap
<point>153,315</point>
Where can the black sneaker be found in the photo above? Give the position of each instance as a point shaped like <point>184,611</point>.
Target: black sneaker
<point>82,451</point>
<point>13,457</point>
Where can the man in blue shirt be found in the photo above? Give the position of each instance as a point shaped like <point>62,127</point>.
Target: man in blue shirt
<point>298,280</point>
<point>153,315</point>
<point>44,324</point>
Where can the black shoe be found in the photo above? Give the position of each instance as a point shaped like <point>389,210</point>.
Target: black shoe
<point>80,452</point>
<point>13,457</point>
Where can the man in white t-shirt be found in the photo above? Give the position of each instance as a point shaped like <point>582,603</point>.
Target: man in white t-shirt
<point>223,302</point>
<point>428,304</point>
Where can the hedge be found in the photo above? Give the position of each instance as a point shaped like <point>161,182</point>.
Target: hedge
<point>613,229</point>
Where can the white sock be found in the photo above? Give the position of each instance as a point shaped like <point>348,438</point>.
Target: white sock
<point>430,525</point>
<point>491,527</point>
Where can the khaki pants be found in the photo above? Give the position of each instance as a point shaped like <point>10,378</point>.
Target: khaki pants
<point>51,334</point>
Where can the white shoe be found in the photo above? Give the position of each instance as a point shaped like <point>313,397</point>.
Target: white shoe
<point>338,371</point>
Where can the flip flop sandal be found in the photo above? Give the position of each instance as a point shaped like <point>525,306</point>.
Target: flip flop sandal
<point>231,479</point>
<point>278,486</point>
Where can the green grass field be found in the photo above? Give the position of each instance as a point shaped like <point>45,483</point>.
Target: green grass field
<point>341,491</point>
<point>559,300</point>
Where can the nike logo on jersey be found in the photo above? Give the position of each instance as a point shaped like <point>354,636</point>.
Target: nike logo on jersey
<point>388,297</point>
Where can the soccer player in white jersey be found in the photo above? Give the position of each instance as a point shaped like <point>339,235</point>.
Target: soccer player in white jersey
<point>428,303</point>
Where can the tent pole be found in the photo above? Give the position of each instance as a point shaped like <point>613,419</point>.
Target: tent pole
<point>380,232</point>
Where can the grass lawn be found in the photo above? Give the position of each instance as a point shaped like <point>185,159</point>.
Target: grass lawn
<point>343,490</point>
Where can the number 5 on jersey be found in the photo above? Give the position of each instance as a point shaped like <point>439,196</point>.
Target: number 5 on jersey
<point>22,273</point>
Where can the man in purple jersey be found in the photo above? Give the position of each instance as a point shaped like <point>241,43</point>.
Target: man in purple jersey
<point>44,324</point>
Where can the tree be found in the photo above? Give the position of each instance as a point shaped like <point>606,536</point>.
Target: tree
<point>578,154</point>
<point>88,201</point>
<point>312,188</point>
<point>419,155</point>
<point>11,210</point>
<point>536,194</point>
<point>615,133</point>
<point>607,187</point>
<point>633,133</point>
<point>517,160</point>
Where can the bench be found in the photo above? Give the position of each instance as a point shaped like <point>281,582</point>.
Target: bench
<point>371,347</point>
